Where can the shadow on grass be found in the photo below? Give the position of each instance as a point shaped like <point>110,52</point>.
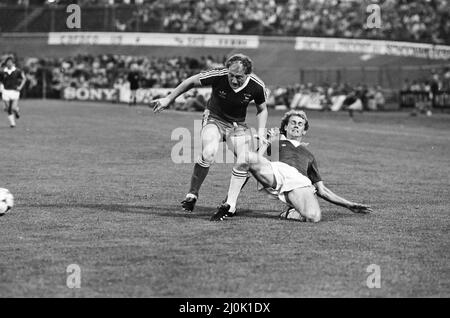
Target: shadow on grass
<point>175,211</point>
<point>200,212</point>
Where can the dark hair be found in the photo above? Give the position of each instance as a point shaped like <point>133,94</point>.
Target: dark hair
<point>9,57</point>
<point>287,116</point>
<point>244,59</point>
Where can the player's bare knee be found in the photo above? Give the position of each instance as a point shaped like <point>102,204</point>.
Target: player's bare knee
<point>313,215</point>
<point>208,154</point>
<point>252,159</point>
<point>244,161</point>
<point>242,166</point>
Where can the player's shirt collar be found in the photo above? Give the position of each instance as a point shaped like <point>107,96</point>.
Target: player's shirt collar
<point>296,143</point>
<point>9,71</point>
<point>237,90</point>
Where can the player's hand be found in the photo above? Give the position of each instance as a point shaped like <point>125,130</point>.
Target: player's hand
<point>269,136</point>
<point>273,134</point>
<point>360,208</point>
<point>160,104</point>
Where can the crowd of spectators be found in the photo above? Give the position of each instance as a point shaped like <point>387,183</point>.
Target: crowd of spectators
<point>107,70</point>
<point>427,21</point>
<point>326,96</point>
<point>110,71</point>
<point>423,95</point>
<point>422,21</point>
<point>438,81</point>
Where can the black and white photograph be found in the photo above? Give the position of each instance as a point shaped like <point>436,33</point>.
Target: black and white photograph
<point>225,154</point>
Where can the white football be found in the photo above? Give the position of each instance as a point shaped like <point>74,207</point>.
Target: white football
<point>6,201</point>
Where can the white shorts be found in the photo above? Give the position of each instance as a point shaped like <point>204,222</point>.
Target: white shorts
<point>9,94</point>
<point>287,179</point>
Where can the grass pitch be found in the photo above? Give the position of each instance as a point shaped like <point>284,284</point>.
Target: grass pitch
<point>95,186</point>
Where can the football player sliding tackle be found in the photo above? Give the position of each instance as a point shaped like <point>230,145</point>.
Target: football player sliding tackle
<point>293,175</point>
<point>233,88</point>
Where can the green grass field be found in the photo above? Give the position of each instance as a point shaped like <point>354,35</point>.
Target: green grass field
<point>94,185</point>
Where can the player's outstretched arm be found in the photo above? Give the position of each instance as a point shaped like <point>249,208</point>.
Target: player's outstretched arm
<point>330,196</point>
<point>162,103</point>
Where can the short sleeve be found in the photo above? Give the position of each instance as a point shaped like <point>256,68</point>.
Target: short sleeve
<point>313,172</point>
<point>273,151</point>
<point>261,95</point>
<point>210,78</point>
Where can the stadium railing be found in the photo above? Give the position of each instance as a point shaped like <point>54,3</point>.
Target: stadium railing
<point>411,99</point>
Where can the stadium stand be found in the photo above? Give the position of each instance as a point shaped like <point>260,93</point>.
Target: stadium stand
<point>421,21</point>
<point>109,71</point>
<point>105,70</point>
<point>426,21</point>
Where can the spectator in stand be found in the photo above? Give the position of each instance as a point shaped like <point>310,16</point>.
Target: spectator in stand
<point>101,71</point>
<point>415,87</point>
<point>402,20</point>
<point>446,80</point>
<point>379,98</point>
<point>406,86</point>
<point>194,102</point>
<point>134,78</point>
<point>119,85</point>
<point>280,97</point>
<point>353,103</point>
<point>423,21</point>
<point>370,99</point>
<point>435,87</point>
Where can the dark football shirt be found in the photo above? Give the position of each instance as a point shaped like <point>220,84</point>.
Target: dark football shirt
<point>298,157</point>
<point>11,81</point>
<point>227,104</point>
<point>133,78</point>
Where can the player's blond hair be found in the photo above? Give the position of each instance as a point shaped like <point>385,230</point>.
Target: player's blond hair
<point>288,115</point>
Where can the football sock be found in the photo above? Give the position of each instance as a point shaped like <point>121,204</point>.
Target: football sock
<point>201,170</point>
<point>16,113</point>
<point>12,121</point>
<point>238,179</point>
<point>190,195</point>
<point>9,109</point>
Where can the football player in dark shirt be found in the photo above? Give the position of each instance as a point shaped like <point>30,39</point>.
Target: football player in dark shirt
<point>133,78</point>
<point>293,175</point>
<point>12,81</point>
<point>233,88</point>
